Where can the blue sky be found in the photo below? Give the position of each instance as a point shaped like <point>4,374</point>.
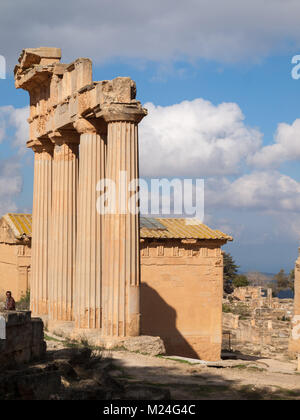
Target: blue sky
<point>188,66</point>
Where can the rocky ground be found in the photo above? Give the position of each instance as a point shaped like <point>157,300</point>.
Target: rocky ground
<point>77,372</point>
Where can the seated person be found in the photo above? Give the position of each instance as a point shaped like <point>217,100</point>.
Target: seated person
<point>10,304</point>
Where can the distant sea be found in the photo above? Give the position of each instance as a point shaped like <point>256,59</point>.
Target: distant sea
<point>286,294</point>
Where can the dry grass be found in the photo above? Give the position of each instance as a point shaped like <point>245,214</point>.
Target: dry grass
<point>24,303</point>
<point>2,302</point>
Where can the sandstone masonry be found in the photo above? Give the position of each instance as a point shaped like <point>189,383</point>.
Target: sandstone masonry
<point>24,339</point>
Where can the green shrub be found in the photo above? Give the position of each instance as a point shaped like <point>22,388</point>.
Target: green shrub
<point>24,303</point>
<point>226,308</point>
<point>240,280</point>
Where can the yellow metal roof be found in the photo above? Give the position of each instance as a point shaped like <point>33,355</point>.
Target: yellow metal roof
<point>175,228</point>
<point>161,228</point>
<point>20,223</point>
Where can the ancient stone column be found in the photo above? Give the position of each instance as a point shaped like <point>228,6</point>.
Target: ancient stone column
<point>90,225</point>
<point>41,218</point>
<point>121,278</point>
<point>270,297</point>
<point>63,229</point>
<point>294,344</point>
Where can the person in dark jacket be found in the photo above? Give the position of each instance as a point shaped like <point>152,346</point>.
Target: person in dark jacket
<point>10,304</point>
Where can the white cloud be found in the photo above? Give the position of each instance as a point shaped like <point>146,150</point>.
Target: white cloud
<point>10,181</point>
<point>269,191</point>
<point>195,138</point>
<point>158,30</point>
<point>288,227</point>
<point>4,123</point>
<point>199,139</point>
<point>286,147</point>
<point>18,119</point>
<point>13,131</point>
<point>228,225</point>
<point>10,185</point>
<point>15,119</point>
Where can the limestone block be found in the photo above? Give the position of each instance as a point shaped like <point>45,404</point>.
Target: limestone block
<point>24,339</point>
<point>18,337</point>
<point>16,317</point>
<point>37,330</point>
<point>153,346</point>
<point>2,328</point>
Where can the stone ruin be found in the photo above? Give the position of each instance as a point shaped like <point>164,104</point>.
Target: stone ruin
<point>257,324</point>
<point>294,345</point>
<point>21,338</point>
<point>257,297</point>
<point>99,289</point>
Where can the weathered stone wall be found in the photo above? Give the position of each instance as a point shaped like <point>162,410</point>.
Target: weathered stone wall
<point>294,345</point>
<point>24,339</point>
<point>15,261</point>
<point>249,292</point>
<point>181,296</point>
<point>256,297</point>
<point>8,269</point>
<point>264,333</point>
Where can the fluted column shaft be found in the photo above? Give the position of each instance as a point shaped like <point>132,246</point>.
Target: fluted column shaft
<point>121,304</point>
<point>88,290</point>
<point>63,230</point>
<point>294,344</point>
<point>297,288</point>
<point>41,218</point>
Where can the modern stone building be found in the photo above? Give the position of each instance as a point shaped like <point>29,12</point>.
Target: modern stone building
<point>15,253</point>
<point>181,278</point>
<point>182,286</point>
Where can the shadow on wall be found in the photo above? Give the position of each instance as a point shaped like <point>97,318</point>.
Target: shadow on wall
<point>159,319</point>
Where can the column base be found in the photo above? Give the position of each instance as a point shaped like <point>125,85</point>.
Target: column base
<point>60,328</point>
<point>94,337</point>
<point>153,346</point>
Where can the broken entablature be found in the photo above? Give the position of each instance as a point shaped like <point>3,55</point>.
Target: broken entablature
<point>62,93</point>
<point>68,108</point>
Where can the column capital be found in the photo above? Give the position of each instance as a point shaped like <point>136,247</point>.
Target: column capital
<point>41,145</point>
<point>133,112</point>
<point>64,136</point>
<point>84,126</point>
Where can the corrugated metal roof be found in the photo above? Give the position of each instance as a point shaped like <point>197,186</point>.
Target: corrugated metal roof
<point>163,228</point>
<point>175,228</point>
<point>20,223</point>
<point>151,223</point>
